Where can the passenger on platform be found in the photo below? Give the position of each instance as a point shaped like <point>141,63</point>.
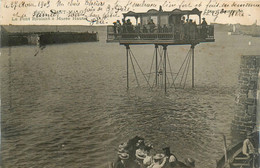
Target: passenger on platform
<point>128,22</point>
<point>121,162</point>
<point>158,161</point>
<point>204,28</point>
<point>183,20</point>
<point>151,26</point>
<point>118,26</point>
<point>165,29</point>
<point>148,27</point>
<point>160,30</point>
<point>145,30</point>
<point>182,32</point>
<point>190,163</point>
<point>196,29</point>
<point>129,26</point>
<point>204,23</point>
<point>249,150</point>
<point>124,26</point>
<point>192,29</point>
<point>186,29</point>
<point>114,27</point>
<point>138,28</point>
<point>171,29</point>
<point>179,31</point>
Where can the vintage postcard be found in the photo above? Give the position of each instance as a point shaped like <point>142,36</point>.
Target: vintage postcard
<point>130,83</point>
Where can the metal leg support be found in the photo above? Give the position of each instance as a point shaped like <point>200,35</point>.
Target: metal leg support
<point>192,51</point>
<point>165,77</point>
<point>156,64</point>
<point>127,69</point>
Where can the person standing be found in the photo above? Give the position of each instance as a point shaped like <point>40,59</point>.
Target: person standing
<point>191,30</point>
<point>186,29</point>
<point>204,28</point>
<point>182,32</point>
<point>152,26</point>
<point>118,26</point>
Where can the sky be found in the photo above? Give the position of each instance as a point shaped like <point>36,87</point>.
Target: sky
<point>105,12</point>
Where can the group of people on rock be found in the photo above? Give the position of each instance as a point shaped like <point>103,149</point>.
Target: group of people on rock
<point>186,29</point>
<point>137,154</point>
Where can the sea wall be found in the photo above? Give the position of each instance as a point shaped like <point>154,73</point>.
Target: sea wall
<point>246,111</point>
<point>26,35</point>
<point>64,37</point>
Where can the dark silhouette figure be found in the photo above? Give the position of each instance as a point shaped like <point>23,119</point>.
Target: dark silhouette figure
<point>204,28</point>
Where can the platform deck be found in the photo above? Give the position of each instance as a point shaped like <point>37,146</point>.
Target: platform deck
<point>160,42</point>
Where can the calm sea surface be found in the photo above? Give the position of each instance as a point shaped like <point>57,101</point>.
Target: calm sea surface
<point>68,105</point>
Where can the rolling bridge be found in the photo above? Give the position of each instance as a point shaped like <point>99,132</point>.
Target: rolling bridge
<point>161,29</point>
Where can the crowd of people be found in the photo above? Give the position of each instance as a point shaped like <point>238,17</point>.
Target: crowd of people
<point>186,29</point>
<point>137,154</point>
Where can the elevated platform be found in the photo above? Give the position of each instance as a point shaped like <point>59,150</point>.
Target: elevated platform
<point>162,38</point>
<point>161,29</point>
<point>160,41</point>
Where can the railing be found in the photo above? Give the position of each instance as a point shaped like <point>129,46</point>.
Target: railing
<point>162,33</point>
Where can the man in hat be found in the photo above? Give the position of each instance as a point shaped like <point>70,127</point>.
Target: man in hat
<point>118,24</point>
<point>182,31</point>
<point>122,148</point>
<point>204,23</point>
<point>249,149</point>
<point>186,29</point>
<point>204,28</point>
<point>192,29</point>
<point>140,155</point>
<point>151,25</point>
<point>122,157</point>
<point>114,27</point>
<point>171,159</point>
<point>147,161</point>
<point>159,161</point>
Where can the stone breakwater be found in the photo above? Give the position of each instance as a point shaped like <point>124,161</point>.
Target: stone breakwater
<point>22,35</point>
<point>246,112</point>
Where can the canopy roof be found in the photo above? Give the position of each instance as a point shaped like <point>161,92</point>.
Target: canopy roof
<point>150,12</point>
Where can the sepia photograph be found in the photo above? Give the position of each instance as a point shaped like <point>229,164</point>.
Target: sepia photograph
<point>130,84</point>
